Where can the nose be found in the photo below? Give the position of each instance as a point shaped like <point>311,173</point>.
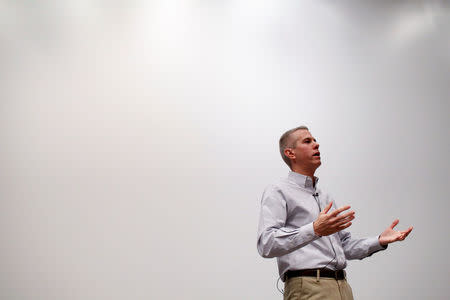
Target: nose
<point>316,145</point>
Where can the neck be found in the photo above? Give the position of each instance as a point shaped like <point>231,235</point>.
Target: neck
<point>304,171</point>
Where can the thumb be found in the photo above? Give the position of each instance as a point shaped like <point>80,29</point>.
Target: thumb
<point>327,208</point>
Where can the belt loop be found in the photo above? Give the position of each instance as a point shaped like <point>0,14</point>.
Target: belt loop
<point>318,275</point>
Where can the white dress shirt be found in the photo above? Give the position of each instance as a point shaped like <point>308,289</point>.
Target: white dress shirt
<point>288,210</point>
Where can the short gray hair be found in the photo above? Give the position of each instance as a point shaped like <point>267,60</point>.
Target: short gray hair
<point>286,143</point>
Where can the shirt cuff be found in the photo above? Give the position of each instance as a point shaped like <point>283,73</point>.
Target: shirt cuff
<point>309,230</point>
<point>374,245</point>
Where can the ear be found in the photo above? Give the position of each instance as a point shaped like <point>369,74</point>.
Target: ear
<point>289,153</point>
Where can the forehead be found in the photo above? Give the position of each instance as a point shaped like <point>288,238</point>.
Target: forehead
<point>301,134</point>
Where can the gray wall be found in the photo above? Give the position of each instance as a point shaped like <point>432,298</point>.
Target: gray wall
<point>137,137</point>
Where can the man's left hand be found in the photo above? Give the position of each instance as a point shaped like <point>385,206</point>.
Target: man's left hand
<point>390,235</point>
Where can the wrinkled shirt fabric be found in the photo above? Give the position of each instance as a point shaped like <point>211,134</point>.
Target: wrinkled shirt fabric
<point>285,230</point>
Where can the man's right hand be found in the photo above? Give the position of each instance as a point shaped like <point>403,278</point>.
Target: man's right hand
<point>329,223</point>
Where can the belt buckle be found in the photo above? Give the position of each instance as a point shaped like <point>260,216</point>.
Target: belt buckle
<point>336,274</point>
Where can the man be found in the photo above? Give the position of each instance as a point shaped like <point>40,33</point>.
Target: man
<point>303,228</point>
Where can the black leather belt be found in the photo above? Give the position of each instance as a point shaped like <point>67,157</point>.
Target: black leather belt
<point>338,275</point>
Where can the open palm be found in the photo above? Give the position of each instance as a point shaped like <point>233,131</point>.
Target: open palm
<point>390,235</point>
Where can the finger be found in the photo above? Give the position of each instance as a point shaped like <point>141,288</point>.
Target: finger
<point>405,231</point>
<point>346,215</point>
<point>334,220</point>
<point>394,224</point>
<point>343,221</point>
<point>327,208</point>
<point>342,227</point>
<point>408,232</point>
<point>341,218</point>
<point>339,210</point>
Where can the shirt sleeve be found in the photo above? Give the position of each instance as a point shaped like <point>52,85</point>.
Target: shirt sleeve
<point>274,239</point>
<point>359,248</point>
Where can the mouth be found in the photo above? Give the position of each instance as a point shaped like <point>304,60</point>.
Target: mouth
<point>317,154</point>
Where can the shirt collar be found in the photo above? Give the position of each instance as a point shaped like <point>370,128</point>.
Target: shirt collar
<point>302,180</point>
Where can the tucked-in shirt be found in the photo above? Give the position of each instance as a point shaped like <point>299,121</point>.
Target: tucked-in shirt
<point>285,231</point>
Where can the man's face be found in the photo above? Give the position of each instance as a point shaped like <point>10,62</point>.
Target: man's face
<point>305,152</point>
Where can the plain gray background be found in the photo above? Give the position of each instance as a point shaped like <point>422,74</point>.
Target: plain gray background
<point>138,136</point>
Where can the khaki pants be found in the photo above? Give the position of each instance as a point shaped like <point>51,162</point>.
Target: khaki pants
<point>302,288</point>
